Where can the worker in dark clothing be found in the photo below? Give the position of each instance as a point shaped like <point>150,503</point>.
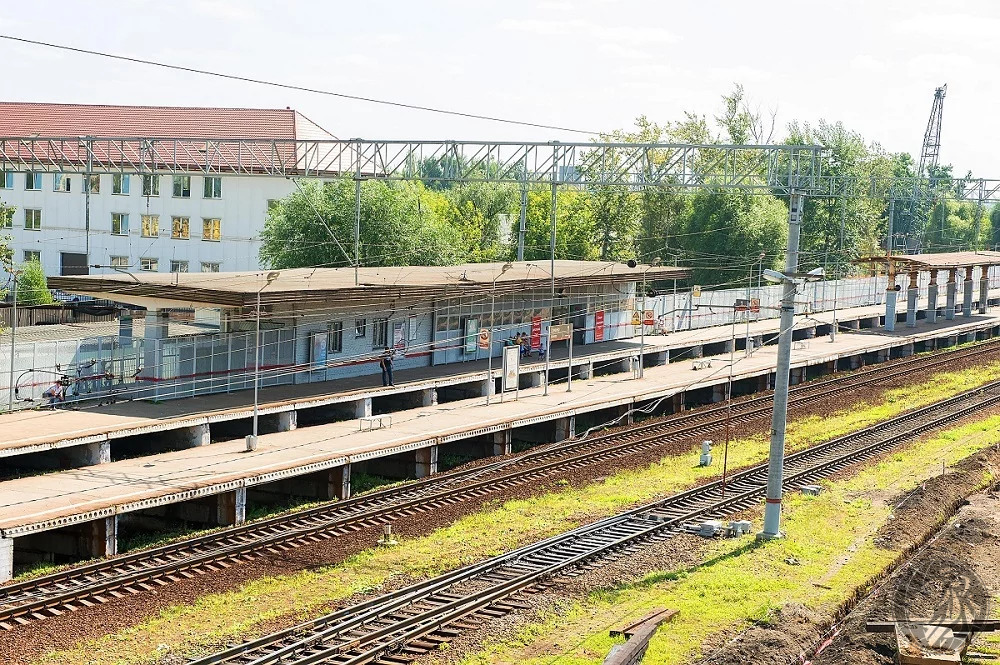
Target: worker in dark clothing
<point>385,363</point>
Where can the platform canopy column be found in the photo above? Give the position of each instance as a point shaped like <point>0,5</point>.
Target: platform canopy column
<point>152,350</point>
<point>967,295</point>
<point>911,301</point>
<point>932,293</point>
<point>890,299</point>
<point>984,289</point>
<point>951,294</point>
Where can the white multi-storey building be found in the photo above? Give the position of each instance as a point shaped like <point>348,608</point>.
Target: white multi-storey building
<point>143,221</point>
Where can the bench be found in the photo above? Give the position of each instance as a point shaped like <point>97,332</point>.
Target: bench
<point>371,420</point>
<point>701,363</point>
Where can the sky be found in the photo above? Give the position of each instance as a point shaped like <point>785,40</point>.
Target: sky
<point>592,65</point>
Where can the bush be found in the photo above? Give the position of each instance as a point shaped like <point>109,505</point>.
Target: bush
<point>32,287</point>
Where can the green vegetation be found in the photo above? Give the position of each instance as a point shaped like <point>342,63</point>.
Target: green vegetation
<point>32,287</point>
<point>217,619</point>
<point>717,231</point>
<point>741,582</point>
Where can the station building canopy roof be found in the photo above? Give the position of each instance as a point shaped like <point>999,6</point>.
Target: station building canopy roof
<point>336,286</point>
<point>939,261</point>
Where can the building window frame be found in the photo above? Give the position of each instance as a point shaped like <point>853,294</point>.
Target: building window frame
<point>94,184</point>
<point>32,181</point>
<point>33,219</point>
<point>182,186</point>
<point>213,187</point>
<point>180,265</point>
<point>360,328</point>
<point>150,226</point>
<point>149,264</point>
<point>118,261</point>
<point>6,180</point>
<point>335,337</point>
<point>119,223</point>
<point>211,229</point>
<point>32,255</point>
<point>121,184</point>
<point>180,228</point>
<point>210,266</point>
<point>61,182</point>
<point>150,185</point>
<point>380,333</point>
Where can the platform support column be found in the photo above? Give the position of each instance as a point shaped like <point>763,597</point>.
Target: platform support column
<point>288,421</point>
<point>932,293</point>
<point>890,299</point>
<point>152,351</point>
<point>340,482</point>
<point>363,407</point>
<point>626,415</point>
<point>429,397</point>
<point>677,402</point>
<point>194,436</point>
<point>565,428</point>
<point>719,392</point>
<point>6,559</point>
<point>99,538</point>
<point>503,442</point>
<point>536,379</point>
<point>426,462</point>
<point>984,289</point>
<point>586,370</point>
<point>232,507</point>
<point>951,294</point>
<point>89,454</point>
<point>967,294</point>
<point>911,301</point>
<point>489,387</point>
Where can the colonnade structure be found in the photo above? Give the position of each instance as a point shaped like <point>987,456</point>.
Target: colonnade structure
<point>954,267</point>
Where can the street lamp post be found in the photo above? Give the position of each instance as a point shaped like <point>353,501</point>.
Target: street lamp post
<point>252,439</point>
<point>13,332</point>
<point>489,348</point>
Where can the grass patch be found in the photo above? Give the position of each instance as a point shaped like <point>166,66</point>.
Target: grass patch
<point>220,618</point>
<point>830,536</point>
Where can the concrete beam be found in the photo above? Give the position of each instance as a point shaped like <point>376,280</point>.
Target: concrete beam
<point>88,454</point>
<point>426,461</point>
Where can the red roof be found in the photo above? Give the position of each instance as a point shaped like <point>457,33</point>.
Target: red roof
<point>27,119</point>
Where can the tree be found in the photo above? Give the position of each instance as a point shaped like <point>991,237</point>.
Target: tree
<point>477,212</point>
<point>956,225</point>
<point>32,287</point>
<point>400,225</point>
<point>574,226</point>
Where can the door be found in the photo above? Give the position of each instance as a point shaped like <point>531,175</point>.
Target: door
<point>71,263</point>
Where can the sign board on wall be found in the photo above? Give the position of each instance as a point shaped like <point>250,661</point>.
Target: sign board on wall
<point>511,367</point>
<point>471,335</point>
<point>649,317</point>
<point>637,318</point>
<point>398,337</point>
<point>536,332</point>
<point>411,326</point>
<point>484,339</point>
<point>317,349</point>
<point>560,332</point>
<point>599,325</point>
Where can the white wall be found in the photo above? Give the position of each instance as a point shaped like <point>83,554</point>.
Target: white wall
<point>242,209</point>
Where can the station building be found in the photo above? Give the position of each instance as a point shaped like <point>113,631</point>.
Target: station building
<point>206,221</point>
<point>321,324</point>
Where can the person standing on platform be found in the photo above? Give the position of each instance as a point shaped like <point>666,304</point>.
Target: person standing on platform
<point>385,363</point>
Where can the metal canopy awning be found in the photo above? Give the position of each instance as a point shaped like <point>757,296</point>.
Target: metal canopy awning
<point>336,286</point>
<point>940,261</point>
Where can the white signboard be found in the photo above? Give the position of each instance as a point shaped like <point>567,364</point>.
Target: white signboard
<point>511,367</point>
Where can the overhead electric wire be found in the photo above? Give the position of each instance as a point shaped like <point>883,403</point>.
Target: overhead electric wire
<point>289,86</point>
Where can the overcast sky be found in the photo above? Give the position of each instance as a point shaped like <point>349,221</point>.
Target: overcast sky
<point>593,64</point>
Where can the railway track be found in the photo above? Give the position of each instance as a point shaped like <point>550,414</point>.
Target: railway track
<point>398,627</point>
<point>106,580</point>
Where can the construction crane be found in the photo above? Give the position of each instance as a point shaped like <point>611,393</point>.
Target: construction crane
<point>931,149</point>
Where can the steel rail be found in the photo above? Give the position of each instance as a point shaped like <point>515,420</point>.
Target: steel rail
<point>21,602</point>
<point>390,626</point>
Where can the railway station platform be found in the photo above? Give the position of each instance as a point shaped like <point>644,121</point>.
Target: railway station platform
<point>185,460</point>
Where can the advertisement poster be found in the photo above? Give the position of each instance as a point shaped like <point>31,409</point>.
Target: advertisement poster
<point>599,325</point>
<point>511,367</point>
<point>536,332</point>
<point>398,341</point>
<point>471,335</point>
<point>317,355</point>
<point>411,326</point>
<point>484,338</point>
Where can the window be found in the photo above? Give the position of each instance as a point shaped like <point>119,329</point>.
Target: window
<point>61,183</point>
<point>211,229</point>
<point>360,328</point>
<point>209,267</point>
<point>213,188</point>
<point>32,219</point>
<point>180,228</point>
<point>32,255</point>
<point>148,264</point>
<point>150,226</point>
<point>33,181</point>
<point>6,180</point>
<point>335,342</point>
<point>119,223</point>
<point>150,185</point>
<point>380,334</point>
<point>95,184</point>
<point>182,186</point>
<point>119,262</point>
<point>6,218</point>
<point>120,183</point>
<point>178,266</point>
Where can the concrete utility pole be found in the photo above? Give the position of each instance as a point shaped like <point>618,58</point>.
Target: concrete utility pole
<point>779,417</point>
